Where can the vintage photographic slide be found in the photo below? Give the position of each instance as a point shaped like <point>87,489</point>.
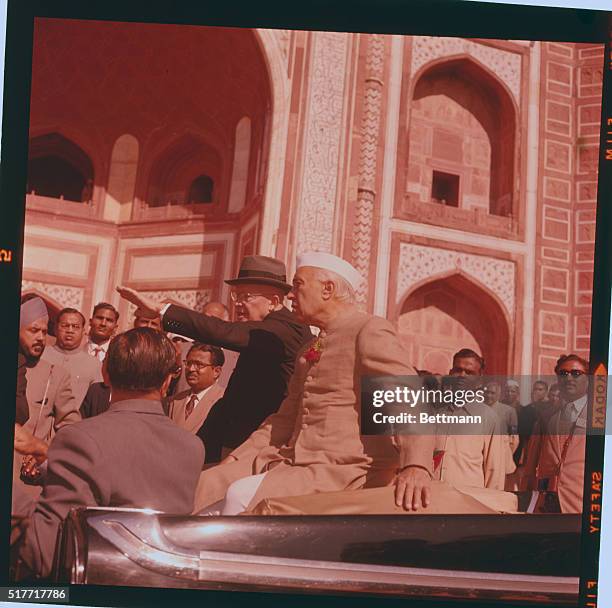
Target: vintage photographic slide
<point>311,303</point>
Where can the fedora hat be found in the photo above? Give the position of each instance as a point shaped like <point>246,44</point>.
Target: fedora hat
<point>262,270</point>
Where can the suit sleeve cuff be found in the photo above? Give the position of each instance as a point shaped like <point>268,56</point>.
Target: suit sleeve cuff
<point>417,452</point>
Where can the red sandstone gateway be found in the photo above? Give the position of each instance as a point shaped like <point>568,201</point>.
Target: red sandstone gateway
<point>458,175</point>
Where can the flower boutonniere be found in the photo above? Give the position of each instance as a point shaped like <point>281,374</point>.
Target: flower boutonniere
<point>313,354</point>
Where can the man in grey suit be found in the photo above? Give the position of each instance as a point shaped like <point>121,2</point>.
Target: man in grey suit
<point>133,455</point>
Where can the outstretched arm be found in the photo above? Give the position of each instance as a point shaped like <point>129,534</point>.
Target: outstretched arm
<point>140,300</point>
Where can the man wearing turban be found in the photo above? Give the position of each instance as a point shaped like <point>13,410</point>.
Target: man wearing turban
<point>49,395</point>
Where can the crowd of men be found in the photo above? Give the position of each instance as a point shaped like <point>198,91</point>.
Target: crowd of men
<point>189,412</point>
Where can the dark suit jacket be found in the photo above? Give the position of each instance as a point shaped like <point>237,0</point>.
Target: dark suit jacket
<point>97,400</point>
<point>258,385</point>
<point>527,417</point>
<point>131,456</point>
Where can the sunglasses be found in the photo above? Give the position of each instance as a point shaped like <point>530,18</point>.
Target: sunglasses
<point>574,373</point>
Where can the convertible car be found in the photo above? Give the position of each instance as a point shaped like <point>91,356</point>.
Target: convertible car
<point>502,558</point>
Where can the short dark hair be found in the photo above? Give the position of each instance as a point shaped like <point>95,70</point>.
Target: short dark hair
<point>541,383</point>
<point>217,357</point>
<point>70,311</point>
<point>144,313</point>
<point>468,353</point>
<point>140,359</point>
<point>571,357</point>
<point>105,306</point>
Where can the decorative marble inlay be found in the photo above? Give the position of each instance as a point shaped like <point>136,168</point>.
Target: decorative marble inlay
<point>194,299</point>
<point>64,295</point>
<point>324,120</point>
<point>370,133</point>
<point>418,263</point>
<point>506,65</point>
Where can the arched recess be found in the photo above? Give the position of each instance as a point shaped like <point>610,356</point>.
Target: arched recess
<point>176,168</point>
<point>276,130</point>
<point>445,314</point>
<point>59,168</point>
<point>240,169</point>
<point>201,190</point>
<point>122,178</point>
<point>463,132</point>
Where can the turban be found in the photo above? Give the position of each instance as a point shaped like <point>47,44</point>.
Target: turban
<point>32,310</point>
<point>327,261</point>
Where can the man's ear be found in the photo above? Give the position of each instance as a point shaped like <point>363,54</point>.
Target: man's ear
<point>328,289</point>
<point>275,300</point>
<point>105,377</point>
<point>166,385</point>
<point>217,371</point>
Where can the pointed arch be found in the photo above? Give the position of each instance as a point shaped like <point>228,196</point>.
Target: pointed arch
<point>59,168</point>
<point>240,169</point>
<point>452,311</point>
<point>177,166</point>
<point>469,127</point>
<point>122,178</point>
<point>277,122</point>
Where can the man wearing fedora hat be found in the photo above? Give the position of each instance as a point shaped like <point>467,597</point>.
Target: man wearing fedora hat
<point>267,337</point>
<point>313,444</point>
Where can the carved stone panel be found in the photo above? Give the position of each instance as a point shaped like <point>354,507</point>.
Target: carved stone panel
<point>505,64</point>
<point>66,296</point>
<point>194,299</point>
<point>418,263</point>
<point>324,129</point>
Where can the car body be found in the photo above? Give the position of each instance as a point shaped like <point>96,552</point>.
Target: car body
<point>510,557</point>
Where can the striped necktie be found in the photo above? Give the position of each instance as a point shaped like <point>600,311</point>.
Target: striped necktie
<point>190,406</point>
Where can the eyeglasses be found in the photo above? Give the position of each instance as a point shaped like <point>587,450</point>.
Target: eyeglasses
<point>574,373</point>
<point>71,325</point>
<point>243,298</point>
<point>199,366</point>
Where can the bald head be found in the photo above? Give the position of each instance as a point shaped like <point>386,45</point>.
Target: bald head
<point>216,309</point>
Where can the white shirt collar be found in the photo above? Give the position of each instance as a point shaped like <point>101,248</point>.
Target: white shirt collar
<point>91,346</point>
<point>577,406</point>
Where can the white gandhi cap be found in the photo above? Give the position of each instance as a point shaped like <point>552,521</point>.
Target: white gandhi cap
<point>327,261</point>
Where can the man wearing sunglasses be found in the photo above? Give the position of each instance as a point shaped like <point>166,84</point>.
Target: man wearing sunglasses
<point>557,456</point>
<point>266,334</point>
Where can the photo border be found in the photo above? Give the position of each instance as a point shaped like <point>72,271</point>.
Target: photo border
<point>414,17</point>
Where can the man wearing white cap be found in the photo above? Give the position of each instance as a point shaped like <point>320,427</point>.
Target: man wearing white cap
<point>51,401</point>
<point>313,443</point>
